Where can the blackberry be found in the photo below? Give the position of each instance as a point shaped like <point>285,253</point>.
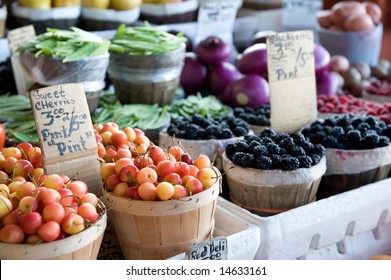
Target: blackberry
<point>338,132</point>
<point>307,146</point>
<point>240,131</point>
<point>357,121</point>
<point>242,146</point>
<point>297,151</point>
<point>172,130</point>
<point>251,137</point>
<point>238,110</point>
<point>200,120</point>
<point>252,119</point>
<point>267,132</point>
<point>230,150</point>
<point>343,121</point>
<point>266,140</point>
<point>263,162</point>
<point>281,136</point>
<point>305,161</point>
<point>315,126</point>
<point>287,144</point>
<point>330,142</point>
<point>298,138</point>
<point>253,144</point>
<point>315,159</point>
<point>249,110</point>
<point>331,121</point>
<point>354,136</point>
<point>318,149</point>
<point>370,141</point>
<point>387,131</point>
<point>211,129</point>
<point>289,163</point>
<point>243,159</point>
<point>318,137</point>
<point>244,116</point>
<point>260,150</point>
<point>371,120</point>
<point>225,134</point>
<point>383,141</point>
<point>363,127</point>
<point>348,128</point>
<point>262,120</point>
<point>276,161</point>
<point>273,149</point>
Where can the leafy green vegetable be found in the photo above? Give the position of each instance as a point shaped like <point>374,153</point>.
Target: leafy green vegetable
<point>143,116</point>
<point>208,106</point>
<point>145,40</point>
<point>68,45</point>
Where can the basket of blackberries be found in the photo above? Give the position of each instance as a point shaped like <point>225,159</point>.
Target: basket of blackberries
<point>273,172</point>
<point>201,135</point>
<point>257,118</point>
<point>358,151</point>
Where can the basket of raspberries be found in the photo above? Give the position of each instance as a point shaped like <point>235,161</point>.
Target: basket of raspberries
<point>200,135</point>
<point>273,172</point>
<point>358,151</point>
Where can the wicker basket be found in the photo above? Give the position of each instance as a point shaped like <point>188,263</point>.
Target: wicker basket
<point>350,169</point>
<point>82,246</point>
<point>267,192</point>
<point>48,71</point>
<point>60,18</point>
<point>185,11</point>
<point>162,229</point>
<point>106,19</point>
<point>146,79</point>
<point>262,4</point>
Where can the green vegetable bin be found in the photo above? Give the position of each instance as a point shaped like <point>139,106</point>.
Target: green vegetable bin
<point>146,79</point>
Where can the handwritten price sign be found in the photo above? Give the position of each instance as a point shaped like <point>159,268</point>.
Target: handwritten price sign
<point>66,133</point>
<point>291,71</point>
<point>216,17</point>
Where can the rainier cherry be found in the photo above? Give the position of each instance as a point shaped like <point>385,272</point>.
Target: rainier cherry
<point>165,190</point>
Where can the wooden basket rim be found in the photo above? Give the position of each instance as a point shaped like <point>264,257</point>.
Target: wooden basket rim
<point>56,248</point>
<point>161,208</point>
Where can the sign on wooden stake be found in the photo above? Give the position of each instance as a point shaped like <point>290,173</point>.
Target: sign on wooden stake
<point>66,133</point>
<point>291,72</point>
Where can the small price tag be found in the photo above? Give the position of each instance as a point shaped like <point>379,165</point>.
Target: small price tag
<point>213,249</point>
<point>66,133</point>
<point>291,72</point>
<point>216,18</point>
<point>16,37</point>
<point>298,14</point>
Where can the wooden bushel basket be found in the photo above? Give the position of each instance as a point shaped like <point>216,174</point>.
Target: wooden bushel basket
<point>157,230</point>
<point>351,169</point>
<point>268,192</point>
<point>82,246</point>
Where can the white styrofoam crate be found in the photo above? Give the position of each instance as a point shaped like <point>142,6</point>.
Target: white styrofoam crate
<point>240,229</point>
<point>352,225</point>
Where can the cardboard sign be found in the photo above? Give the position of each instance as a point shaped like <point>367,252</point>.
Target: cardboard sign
<point>66,134</point>
<point>291,71</point>
<point>297,14</point>
<point>216,18</point>
<point>16,37</point>
<point>213,249</point>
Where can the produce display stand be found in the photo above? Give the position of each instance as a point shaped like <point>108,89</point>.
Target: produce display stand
<point>352,225</point>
